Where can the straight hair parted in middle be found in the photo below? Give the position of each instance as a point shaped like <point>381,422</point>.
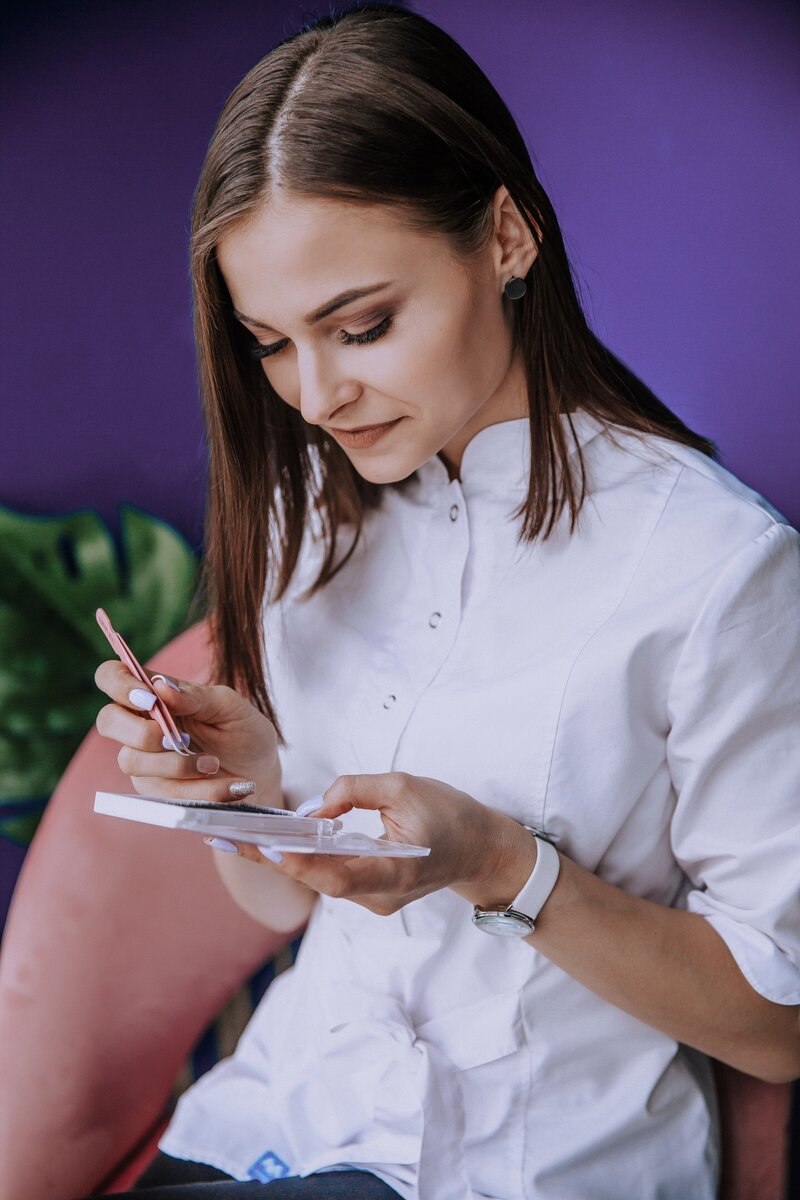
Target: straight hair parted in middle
<point>372,105</point>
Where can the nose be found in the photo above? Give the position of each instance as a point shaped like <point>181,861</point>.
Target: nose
<point>322,391</point>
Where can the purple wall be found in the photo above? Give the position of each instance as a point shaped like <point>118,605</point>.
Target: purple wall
<point>666,134</point>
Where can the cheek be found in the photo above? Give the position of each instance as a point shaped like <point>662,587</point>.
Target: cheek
<point>282,377</point>
<point>459,354</point>
<point>435,351</point>
<point>486,345</point>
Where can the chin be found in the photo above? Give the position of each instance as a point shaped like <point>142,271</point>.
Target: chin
<point>391,470</point>
<point>376,475</point>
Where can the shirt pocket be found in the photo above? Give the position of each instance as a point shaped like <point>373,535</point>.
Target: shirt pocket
<point>487,1045</point>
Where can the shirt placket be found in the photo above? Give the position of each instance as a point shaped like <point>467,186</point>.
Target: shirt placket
<point>432,617</point>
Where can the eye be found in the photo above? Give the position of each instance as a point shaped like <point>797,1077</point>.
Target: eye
<point>369,335</point>
<point>259,351</point>
<point>347,339</point>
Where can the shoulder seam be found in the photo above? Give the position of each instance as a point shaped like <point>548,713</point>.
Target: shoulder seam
<point>665,448</point>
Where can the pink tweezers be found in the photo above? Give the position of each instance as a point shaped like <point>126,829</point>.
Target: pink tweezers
<point>159,712</point>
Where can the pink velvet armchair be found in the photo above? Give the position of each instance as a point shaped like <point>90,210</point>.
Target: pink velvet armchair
<point>121,946</point>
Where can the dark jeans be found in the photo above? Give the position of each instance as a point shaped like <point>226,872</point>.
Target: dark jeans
<point>170,1178</point>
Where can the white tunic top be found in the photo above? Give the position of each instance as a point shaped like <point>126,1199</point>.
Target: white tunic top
<point>631,689</point>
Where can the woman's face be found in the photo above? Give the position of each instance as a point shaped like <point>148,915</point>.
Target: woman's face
<point>428,349</point>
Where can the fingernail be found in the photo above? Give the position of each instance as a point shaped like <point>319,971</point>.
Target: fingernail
<point>169,682</point>
<point>273,855</point>
<point>242,787</point>
<point>221,844</point>
<point>142,699</point>
<point>168,743</point>
<point>207,764</point>
<point>310,806</point>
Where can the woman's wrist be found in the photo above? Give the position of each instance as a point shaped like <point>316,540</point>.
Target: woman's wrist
<point>509,856</point>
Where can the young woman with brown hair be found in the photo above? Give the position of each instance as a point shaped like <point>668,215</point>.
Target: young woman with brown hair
<point>471,582</point>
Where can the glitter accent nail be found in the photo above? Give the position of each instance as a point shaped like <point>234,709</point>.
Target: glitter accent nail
<point>241,787</point>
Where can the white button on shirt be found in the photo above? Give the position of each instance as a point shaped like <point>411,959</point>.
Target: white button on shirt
<point>633,690</point>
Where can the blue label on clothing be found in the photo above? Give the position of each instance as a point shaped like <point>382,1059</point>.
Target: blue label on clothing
<point>268,1167</point>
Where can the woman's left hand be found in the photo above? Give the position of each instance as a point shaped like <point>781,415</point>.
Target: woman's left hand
<point>474,849</point>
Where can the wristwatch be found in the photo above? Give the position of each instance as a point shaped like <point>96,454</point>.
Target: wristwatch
<point>518,918</point>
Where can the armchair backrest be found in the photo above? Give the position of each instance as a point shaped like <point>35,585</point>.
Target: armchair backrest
<point>120,947</point>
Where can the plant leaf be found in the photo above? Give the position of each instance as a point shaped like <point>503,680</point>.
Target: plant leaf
<point>54,572</point>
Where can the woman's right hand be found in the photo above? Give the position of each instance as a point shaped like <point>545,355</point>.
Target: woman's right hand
<point>231,741</point>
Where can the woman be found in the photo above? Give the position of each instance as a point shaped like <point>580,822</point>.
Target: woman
<point>471,582</point>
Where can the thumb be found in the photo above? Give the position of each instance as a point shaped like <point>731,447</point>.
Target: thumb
<point>186,699</point>
<point>209,703</point>
<point>358,791</point>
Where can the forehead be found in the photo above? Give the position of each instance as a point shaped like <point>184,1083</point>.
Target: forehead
<point>296,252</point>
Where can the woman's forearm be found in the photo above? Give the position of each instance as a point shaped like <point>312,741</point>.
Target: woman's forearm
<point>270,898</point>
<point>666,967</point>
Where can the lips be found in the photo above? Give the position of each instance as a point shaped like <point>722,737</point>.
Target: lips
<point>361,428</point>
<point>364,436</point>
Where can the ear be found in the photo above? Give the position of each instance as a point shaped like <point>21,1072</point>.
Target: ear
<point>514,247</point>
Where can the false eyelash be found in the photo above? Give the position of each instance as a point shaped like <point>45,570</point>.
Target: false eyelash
<point>369,335</point>
<point>349,339</point>
<point>259,351</point>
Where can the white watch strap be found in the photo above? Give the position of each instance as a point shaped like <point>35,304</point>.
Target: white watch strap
<point>541,880</point>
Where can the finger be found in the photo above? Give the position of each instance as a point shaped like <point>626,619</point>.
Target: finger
<point>362,791</point>
<point>341,877</point>
<point>224,846</point>
<point>121,725</point>
<point>114,678</point>
<point>214,790</point>
<point>211,703</point>
<point>169,766</point>
<point>261,855</point>
<point>208,703</point>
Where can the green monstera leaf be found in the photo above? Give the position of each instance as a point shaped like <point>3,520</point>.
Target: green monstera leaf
<point>54,573</point>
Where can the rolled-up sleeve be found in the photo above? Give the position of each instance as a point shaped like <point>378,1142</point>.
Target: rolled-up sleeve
<point>733,751</point>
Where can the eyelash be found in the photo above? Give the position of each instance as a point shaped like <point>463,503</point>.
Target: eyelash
<point>348,339</point>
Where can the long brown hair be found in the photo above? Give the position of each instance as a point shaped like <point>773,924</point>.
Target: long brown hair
<point>372,105</point>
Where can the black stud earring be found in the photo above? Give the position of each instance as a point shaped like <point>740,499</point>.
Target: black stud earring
<point>515,289</point>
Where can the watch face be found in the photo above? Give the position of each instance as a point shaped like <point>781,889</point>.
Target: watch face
<point>503,924</point>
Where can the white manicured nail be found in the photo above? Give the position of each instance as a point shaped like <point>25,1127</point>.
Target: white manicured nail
<point>169,682</point>
<point>142,699</point>
<point>273,855</point>
<point>310,806</point>
<point>221,844</point>
<point>168,743</point>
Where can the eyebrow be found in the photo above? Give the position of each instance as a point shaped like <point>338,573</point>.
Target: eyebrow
<point>324,310</point>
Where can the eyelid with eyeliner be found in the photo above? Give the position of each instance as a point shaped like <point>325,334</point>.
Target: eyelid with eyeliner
<point>260,350</point>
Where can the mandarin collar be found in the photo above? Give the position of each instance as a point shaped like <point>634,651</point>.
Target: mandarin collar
<point>496,461</point>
